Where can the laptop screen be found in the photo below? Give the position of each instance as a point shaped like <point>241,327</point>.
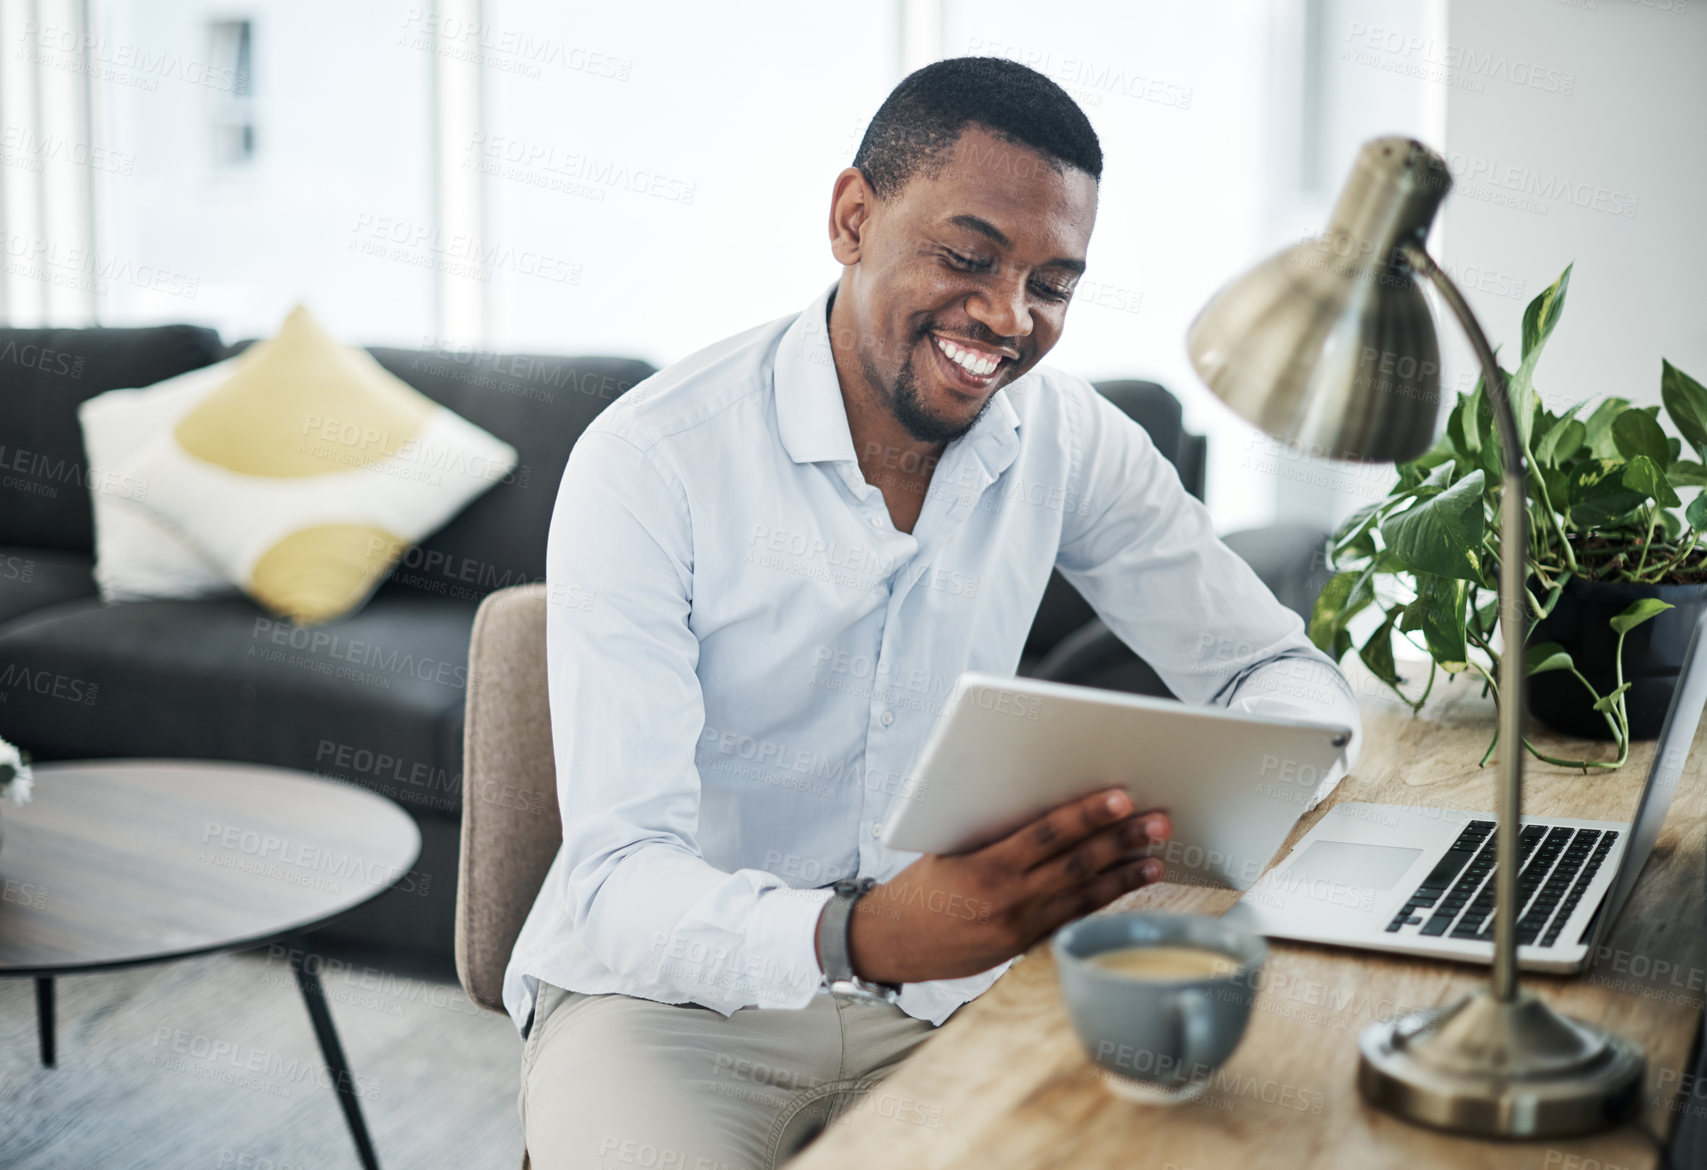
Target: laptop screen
<point>1676,736</point>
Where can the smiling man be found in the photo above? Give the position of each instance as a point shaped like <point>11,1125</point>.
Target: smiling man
<point>767,566</point>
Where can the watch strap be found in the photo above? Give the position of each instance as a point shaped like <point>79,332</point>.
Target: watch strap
<point>833,953</point>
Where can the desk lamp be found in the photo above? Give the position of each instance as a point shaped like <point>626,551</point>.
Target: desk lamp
<point>1329,346</point>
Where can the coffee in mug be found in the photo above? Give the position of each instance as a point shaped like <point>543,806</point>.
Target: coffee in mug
<point>1167,964</point>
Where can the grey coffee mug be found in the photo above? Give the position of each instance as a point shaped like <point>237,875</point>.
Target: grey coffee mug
<point>1157,1041</point>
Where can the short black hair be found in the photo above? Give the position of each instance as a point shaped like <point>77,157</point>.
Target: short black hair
<point>921,119</point>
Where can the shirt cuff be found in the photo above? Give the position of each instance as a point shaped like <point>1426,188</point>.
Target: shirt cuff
<point>784,931</point>
<point>1324,697</point>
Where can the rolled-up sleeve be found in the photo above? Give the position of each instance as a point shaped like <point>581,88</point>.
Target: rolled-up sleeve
<point>626,712</point>
<point>1144,554</point>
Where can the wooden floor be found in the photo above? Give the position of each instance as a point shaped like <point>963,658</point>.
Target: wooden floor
<point>211,1063</point>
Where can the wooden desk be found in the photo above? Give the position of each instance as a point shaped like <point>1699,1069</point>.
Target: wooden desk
<point>1006,1084</point>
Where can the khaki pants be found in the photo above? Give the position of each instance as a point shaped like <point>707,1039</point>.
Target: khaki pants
<point>617,1083</point>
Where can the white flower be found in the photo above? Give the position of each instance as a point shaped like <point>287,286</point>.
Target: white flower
<point>12,760</point>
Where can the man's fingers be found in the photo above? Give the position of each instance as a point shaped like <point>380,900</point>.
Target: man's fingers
<point>1091,855</point>
<point>1061,828</point>
<point>1088,897</point>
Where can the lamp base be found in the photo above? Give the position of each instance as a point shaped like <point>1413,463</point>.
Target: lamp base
<point>1492,1068</point>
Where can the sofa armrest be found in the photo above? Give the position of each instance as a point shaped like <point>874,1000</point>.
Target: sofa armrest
<point>1290,558</point>
<point>1287,557</point>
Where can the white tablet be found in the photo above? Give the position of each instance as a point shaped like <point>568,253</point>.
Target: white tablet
<point>1007,749</point>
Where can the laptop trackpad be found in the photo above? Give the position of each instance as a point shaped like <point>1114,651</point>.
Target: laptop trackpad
<point>1352,866</point>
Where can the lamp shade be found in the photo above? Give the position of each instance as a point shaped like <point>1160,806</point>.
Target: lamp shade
<point>1329,345</point>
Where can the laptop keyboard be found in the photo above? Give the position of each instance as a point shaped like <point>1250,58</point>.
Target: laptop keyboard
<point>1456,899</point>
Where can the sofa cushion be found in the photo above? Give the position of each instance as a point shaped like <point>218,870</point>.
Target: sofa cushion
<point>309,470</point>
<point>375,698</point>
<point>44,375</point>
<point>140,556</point>
<point>35,578</point>
<point>538,404</point>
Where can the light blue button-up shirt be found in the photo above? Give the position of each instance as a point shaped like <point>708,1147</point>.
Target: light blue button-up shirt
<point>746,655</point>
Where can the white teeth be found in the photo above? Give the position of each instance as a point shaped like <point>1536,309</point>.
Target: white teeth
<point>972,362</point>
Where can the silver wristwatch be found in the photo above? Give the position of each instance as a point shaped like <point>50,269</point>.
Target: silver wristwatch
<point>833,956</point>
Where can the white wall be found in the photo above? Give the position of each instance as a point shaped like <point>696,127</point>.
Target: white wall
<point>658,173</point>
<point>1631,134</point>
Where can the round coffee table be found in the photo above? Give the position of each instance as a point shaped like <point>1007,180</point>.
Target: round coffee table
<point>120,862</point>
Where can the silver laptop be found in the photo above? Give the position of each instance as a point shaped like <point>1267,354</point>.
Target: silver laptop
<point>1420,881</point>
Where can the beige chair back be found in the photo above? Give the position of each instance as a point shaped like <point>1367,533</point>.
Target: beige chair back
<point>510,825</point>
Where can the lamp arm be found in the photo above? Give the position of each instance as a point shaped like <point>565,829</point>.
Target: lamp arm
<point>1514,619</point>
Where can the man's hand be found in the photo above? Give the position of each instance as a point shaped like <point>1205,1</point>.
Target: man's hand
<point>950,915</point>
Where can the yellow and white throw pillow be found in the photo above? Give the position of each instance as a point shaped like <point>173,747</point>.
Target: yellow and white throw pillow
<point>311,469</point>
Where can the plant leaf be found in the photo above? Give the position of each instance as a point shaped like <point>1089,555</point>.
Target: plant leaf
<point>1543,312</point>
<point>1598,434</point>
<point>1644,475</point>
<point>1547,656</point>
<point>1439,612</point>
<point>1687,473</point>
<point>1437,481</point>
<point>1442,534</point>
<point>1607,702</point>
<point>1598,494</point>
<point>1341,599</point>
<point>1538,322</point>
<point>1686,402</point>
<point>1636,432</point>
<point>1377,652</point>
<point>1348,537</point>
<point>1696,513</point>
<point>1561,441</point>
<point>1637,612</point>
<point>1558,488</point>
<point>1458,436</point>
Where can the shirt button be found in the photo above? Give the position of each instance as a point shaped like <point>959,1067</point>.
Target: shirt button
<point>876,522</point>
<point>877,828</point>
<point>887,718</point>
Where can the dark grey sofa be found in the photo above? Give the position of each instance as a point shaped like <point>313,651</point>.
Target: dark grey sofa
<point>375,698</point>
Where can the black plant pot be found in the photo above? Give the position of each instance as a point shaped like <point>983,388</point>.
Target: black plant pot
<point>1653,655</point>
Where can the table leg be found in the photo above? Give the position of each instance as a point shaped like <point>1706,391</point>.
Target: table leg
<point>44,1019</point>
<point>314,995</point>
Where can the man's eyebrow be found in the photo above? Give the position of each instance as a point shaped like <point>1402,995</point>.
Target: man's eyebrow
<point>990,231</point>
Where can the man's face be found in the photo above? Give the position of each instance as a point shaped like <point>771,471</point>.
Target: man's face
<point>962,280</point>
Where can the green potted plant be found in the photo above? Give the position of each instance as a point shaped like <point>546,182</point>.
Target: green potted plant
<point>1616,576</point>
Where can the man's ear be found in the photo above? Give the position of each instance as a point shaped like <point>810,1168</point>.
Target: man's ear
<point>851,204</point>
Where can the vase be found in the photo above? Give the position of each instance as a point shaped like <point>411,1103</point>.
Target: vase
<point>1653,656</point>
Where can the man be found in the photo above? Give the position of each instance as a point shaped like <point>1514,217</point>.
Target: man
<point>767,566</point>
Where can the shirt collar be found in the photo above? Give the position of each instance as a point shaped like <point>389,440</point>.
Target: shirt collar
<point>811,417</point>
